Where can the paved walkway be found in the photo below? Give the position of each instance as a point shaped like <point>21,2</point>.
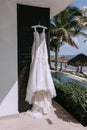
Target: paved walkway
<point>57,119</point>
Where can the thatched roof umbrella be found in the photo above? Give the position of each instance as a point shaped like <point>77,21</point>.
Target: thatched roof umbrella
<point>79,60</point>
<point>62,59</point>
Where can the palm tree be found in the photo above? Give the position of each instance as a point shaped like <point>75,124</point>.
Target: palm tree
<point>56,42</point>
<point>63,27</point>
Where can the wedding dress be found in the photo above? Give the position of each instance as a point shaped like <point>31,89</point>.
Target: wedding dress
<point>40,88</point>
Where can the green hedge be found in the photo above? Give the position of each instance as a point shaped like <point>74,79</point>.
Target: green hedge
<point>73,97</point>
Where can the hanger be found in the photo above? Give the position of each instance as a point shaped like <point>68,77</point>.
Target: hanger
<point>39,26</point>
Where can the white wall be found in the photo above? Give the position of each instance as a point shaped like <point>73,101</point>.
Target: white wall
<point>8,58</point>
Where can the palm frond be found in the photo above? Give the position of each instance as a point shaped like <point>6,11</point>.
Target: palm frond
<point>73,32</point>
<point>66,37</point>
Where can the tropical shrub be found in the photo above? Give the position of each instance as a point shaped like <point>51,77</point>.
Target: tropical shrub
<point>73,98</point>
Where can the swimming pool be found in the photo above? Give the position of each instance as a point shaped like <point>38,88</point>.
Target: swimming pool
<point>62,77</point>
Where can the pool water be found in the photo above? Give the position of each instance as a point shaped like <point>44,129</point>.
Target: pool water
<point>65,78</point>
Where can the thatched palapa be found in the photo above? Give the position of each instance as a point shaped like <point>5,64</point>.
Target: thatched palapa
<point>79,60</point>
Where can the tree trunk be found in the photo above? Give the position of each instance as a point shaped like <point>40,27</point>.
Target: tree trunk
<point>56,55</point>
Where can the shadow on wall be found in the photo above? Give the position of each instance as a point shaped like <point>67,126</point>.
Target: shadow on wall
<point>9,105</point>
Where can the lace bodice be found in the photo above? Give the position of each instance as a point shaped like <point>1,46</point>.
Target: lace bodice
<point>39,46</point>
<point>38,38</point>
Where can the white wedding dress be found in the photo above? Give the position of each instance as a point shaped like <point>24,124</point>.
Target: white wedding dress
<point>40,88</point>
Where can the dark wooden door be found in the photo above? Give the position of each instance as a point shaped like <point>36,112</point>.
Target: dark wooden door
<point>27,16</point>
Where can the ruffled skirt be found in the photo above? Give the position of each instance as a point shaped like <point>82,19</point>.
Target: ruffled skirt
<point>40,88</point>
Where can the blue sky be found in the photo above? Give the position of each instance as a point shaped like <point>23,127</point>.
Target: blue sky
<point>82,47</point>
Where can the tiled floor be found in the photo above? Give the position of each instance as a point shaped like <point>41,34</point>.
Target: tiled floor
<point>57,119</point>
